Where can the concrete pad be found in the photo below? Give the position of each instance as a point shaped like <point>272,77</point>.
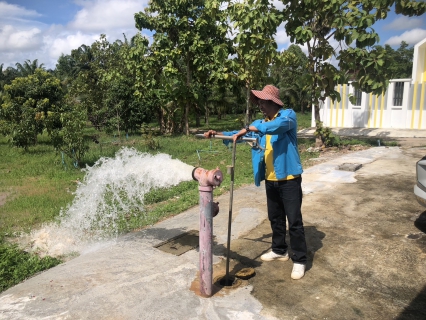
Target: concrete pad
<point>362,261</point>
<point>376,133</point>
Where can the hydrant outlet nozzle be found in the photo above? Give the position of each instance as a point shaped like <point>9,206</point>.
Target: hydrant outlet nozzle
<point>207,178</point>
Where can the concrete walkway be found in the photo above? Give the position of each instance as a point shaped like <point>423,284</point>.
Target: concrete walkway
<point>131,279</point>
<point>376,133</point>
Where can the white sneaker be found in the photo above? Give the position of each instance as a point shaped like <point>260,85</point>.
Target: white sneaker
<point>298,271</point>
<point>271,255</point>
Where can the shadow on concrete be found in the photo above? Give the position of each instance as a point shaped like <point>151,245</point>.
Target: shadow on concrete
<point>314,239</point>
<point>361,132</point>
<point>420,224</point>
<point>243,258</point>
<point>416,309</point>
<point>256,246</point>
<point>160,234</point>
<point>262,244</point>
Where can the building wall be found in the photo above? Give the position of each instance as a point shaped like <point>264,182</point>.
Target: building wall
<point>378,111</point>
<point>382,111</point>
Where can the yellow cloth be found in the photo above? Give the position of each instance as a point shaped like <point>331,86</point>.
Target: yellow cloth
<point>269,159</point>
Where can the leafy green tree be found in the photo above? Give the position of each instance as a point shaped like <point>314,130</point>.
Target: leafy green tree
<point>189,42</point>
<point>66,69</point>
<point>2,77</point>
<point>318,24</point>
<point>68,138</point>
<point>254,24</point>
<point>123,111</point>
<point>401,61</point>
<point>86,86</point>
<point>290,72</point>
<point>30,106</point>
<point>7,76</point>
<point>28,67</point>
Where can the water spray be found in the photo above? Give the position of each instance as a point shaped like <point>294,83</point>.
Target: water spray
<point>111,190</point>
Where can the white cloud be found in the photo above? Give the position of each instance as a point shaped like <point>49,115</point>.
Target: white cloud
<point>411,37</point>
<point>64,45</point>
<point>13,39</point>
<point>404,23</point>
<point>278,4</point>
<point>15,11</point>
<point>22,37</point>
<point>101,15</point>
<point>281,37</point>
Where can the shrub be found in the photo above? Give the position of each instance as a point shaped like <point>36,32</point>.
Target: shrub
<point>17,265</point>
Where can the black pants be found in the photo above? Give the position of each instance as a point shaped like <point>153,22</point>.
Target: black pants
<point>284,200</point>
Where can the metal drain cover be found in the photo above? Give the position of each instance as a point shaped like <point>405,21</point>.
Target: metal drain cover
<point>181,243</point>
<point>350,166</point>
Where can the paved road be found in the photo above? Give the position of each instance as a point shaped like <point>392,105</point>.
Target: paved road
<point>367,259</point>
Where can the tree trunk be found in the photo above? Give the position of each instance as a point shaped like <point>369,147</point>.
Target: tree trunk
<point>188,84</point>
<point>318,141</point>
<point>206,117</point>
<point>197,116</point>
<point>161,122</point>
<point>118,125</point>
<point>248,116</point>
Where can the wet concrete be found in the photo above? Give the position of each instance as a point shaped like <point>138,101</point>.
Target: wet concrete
<point>367,257</point>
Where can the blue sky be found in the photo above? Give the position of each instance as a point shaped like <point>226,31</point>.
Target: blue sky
<point>43,29</point>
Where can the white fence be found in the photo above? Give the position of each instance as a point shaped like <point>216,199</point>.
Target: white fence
<point>402,106</point>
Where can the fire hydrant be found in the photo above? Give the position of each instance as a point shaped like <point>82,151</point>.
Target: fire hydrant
<point>208,209</point>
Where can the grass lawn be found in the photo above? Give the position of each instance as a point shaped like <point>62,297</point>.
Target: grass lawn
<point>35,184</point>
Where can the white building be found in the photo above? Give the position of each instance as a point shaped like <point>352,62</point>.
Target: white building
<point>402,106</point>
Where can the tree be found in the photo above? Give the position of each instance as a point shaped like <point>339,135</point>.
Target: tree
<point>122,111</point>
<point>66,69</point>
<point>68,138</point>
<point>2,77</point>
<point>290,71</point>
<point>28,68</point>
<point>8,75</point>
<point>254,25</point>
<point>342,29</point>
<point>401,61</point>
<point>31,105</point>
<point>86,87</point>
<point>189,42</point>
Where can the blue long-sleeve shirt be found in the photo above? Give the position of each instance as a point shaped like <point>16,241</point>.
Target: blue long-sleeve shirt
<point>283,131</point>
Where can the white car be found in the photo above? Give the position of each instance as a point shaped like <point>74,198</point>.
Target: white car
<point>420,187</point>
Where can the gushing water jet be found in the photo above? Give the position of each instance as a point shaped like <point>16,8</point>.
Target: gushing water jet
<point>110,190</point>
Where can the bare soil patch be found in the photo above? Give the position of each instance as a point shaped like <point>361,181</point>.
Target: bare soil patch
<point>3,197</point>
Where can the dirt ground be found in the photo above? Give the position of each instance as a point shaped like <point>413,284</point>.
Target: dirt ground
<point>367,258</point>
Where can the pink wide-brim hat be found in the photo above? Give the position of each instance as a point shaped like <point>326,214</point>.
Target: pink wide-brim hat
<point>269,92</point>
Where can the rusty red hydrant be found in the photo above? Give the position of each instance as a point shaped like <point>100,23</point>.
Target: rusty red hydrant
<point>208,209</point>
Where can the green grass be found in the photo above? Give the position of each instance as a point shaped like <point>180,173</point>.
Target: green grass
<point>304,120</point>
<point>17,265</point>
<point>39,182</point>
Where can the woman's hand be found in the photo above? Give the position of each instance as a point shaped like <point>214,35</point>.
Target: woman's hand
<point>239,134</point>
<point>209,133</point>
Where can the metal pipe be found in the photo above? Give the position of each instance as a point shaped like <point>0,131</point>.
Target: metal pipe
<point>231,192</point>
<point>208,209</point>
<point>218,136</point>
<point>231,199</point>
